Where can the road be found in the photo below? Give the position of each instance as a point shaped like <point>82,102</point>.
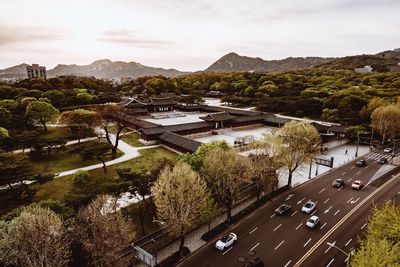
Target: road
<point>284,240</point>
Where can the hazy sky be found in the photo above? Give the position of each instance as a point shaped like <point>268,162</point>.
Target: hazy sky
<point>191,34</point>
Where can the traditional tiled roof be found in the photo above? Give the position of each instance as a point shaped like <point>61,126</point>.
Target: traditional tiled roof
<point>186,144</point>
<point>338,129</point>
<point>231,111</point>
<point>176,128</point>
<point>250,118</point>
<point>161,101</point>
<point>321,127</point>
<point>220,116</point>
<point>276,120</point>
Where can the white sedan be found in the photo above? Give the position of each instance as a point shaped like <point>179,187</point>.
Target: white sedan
<point>312,222</point>
<point>226,241</point>
<point>388,150</point>
<point>308,207</point>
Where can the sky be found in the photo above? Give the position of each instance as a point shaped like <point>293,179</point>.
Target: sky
<point>190,35</point>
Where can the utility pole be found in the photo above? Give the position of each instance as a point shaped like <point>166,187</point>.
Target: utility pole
<point>358,142</point>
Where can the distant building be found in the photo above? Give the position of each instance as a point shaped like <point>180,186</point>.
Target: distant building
<point>394,68</point>
<point>36,71</point>
<point>365,69</point>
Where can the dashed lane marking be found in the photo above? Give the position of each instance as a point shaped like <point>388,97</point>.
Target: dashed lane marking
<point>294,213</point>
<point>388,202</point>
<point>252,231</point>
<point>276,228</point>
<point>326,200</point>
<point>297,228</point>
<point>322,190</point>
<point>301,200</point>
<point>348,242</point>
<point>349,179</point>
<point>326,251</point>
<point>329,264</point>
<point>349,200</point>
<point>307,242</point>
<point>287,264</point>
<point>279,245</point>
<point>352,167</point>
<point>362,227</point>
<point>227,250</point>
<point>336,212</point>
<point>272,215</point>
<point>340,188</point>
<point>256,245</point>
<point>343,173</point>
<point>322,226</point>
<point>313,212</point>
<point>358,173</point>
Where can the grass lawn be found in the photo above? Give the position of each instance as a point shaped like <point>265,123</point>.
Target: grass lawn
<point>58,187</point>
<point>56,132</point>
<point>132,139</point>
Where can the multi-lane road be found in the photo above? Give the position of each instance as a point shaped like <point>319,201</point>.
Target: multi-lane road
<point>286,241</point>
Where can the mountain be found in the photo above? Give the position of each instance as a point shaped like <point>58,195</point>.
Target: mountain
<point>235,62</point>
<point>107,69</point>
<point>102,69</point>
<point>18,71</point>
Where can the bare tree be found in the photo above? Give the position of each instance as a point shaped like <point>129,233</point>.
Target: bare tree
<point>226,172</point>
<point>385,120</point>
<point>35,238</point>
<point>296,142</point>
<point>102,232</point>
<point>179,195</point>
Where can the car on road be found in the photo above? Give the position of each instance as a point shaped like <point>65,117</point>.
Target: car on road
<point>255,262</point>
<point>361,163</point>
<point>357,184</point>
<point>308,207</point>
<point>226,241</point>
<point>338,183</point>
<point>382,161</point>
<point>312,222</point>
<point>388,150</point>
<point>283,209</point>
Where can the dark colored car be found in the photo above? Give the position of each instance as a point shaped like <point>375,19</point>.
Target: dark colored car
<point>338,183</point>
<point>382,161</point>
<point>361,163</point>
<point>283,209</point>
<point>255,262</point>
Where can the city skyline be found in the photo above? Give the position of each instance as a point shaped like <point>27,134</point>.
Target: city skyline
<point>191,35</point>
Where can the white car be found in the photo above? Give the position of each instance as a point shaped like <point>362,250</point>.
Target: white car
<point>308,207</point>
<point>312,222</point>
<point>226,241</point>
<point>388,150</point>
<point>357,185</point>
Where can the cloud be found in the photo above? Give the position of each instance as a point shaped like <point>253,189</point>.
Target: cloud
<point>132,38</point>
<point>17,34</point>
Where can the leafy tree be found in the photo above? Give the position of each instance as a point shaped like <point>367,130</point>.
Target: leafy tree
<point>96,150</point>
<point>179,195</point>
<point>42,112</point>
<point>102,232</point>
<point>80,119</point>
<point>385,120</point>
<point>3,133</point>
<point>14,168</point>
<point>226,172</point>
<point>296,142</point>
<point>210,210</point>
<point>55,96</point>
<point>36,237</point>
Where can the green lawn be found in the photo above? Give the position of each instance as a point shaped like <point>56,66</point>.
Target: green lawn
<point>58,187</point>
<point>132,139</point>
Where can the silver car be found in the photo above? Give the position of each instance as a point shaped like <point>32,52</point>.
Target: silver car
<point>226,241</point>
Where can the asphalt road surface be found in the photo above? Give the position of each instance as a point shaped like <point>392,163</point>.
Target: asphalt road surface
<point>286,241</point>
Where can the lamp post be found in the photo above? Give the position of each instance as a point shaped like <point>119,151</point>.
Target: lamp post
<point>358,142</point>
<point>332,245</point>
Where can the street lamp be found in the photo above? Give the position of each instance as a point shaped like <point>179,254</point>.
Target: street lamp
<point>358,142</point>
<point>332,245</point>
<point>158,221</point>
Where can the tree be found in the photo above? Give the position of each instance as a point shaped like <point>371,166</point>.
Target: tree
<point>53,143</point>
<point>210,210</point>
<point>42,112</point>
<point>3,133</point>
<point>385,120</point>
<point>14,169</point>
<point>226,172</point>
<point>381,246</point>
<point>80,119</point>
<point>296,142</point>
<point>96,150</point>
<point>103,232</point>
<point>36,237</point>
<point>179,195</point>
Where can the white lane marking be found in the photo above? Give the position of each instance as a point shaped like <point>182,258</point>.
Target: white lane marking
<point>298,202</point>
<point>326,200</point>
<point>367,167</point>
<point>227,250</point>
<point>354,201</point>
<point>252,231</point>
<point>328,210</point>
<point>322,226</point>
<point>322,190</point>
<point>256,245</point>
<point>388,201</point>
<point>349,200</point>
<point>349,179</point>
<point>272,215</point>
<point>358,173</point>
<point>293,213</point>
<point>307,242</point>
<point>287,264</point>
<point>329,264</point>
<point>326,251</point>
<point>279,245</point>
<point>336,212</point>
<point>276,228</point>
<point>313,212</point>
<point>352,167</point>
<point>340,188</point>
<point>297,228</point>
<point>362,227</point>
<point>348,242</point>
<point>343,173</point>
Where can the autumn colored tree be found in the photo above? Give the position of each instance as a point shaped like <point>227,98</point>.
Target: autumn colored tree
<point>80,119</point>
